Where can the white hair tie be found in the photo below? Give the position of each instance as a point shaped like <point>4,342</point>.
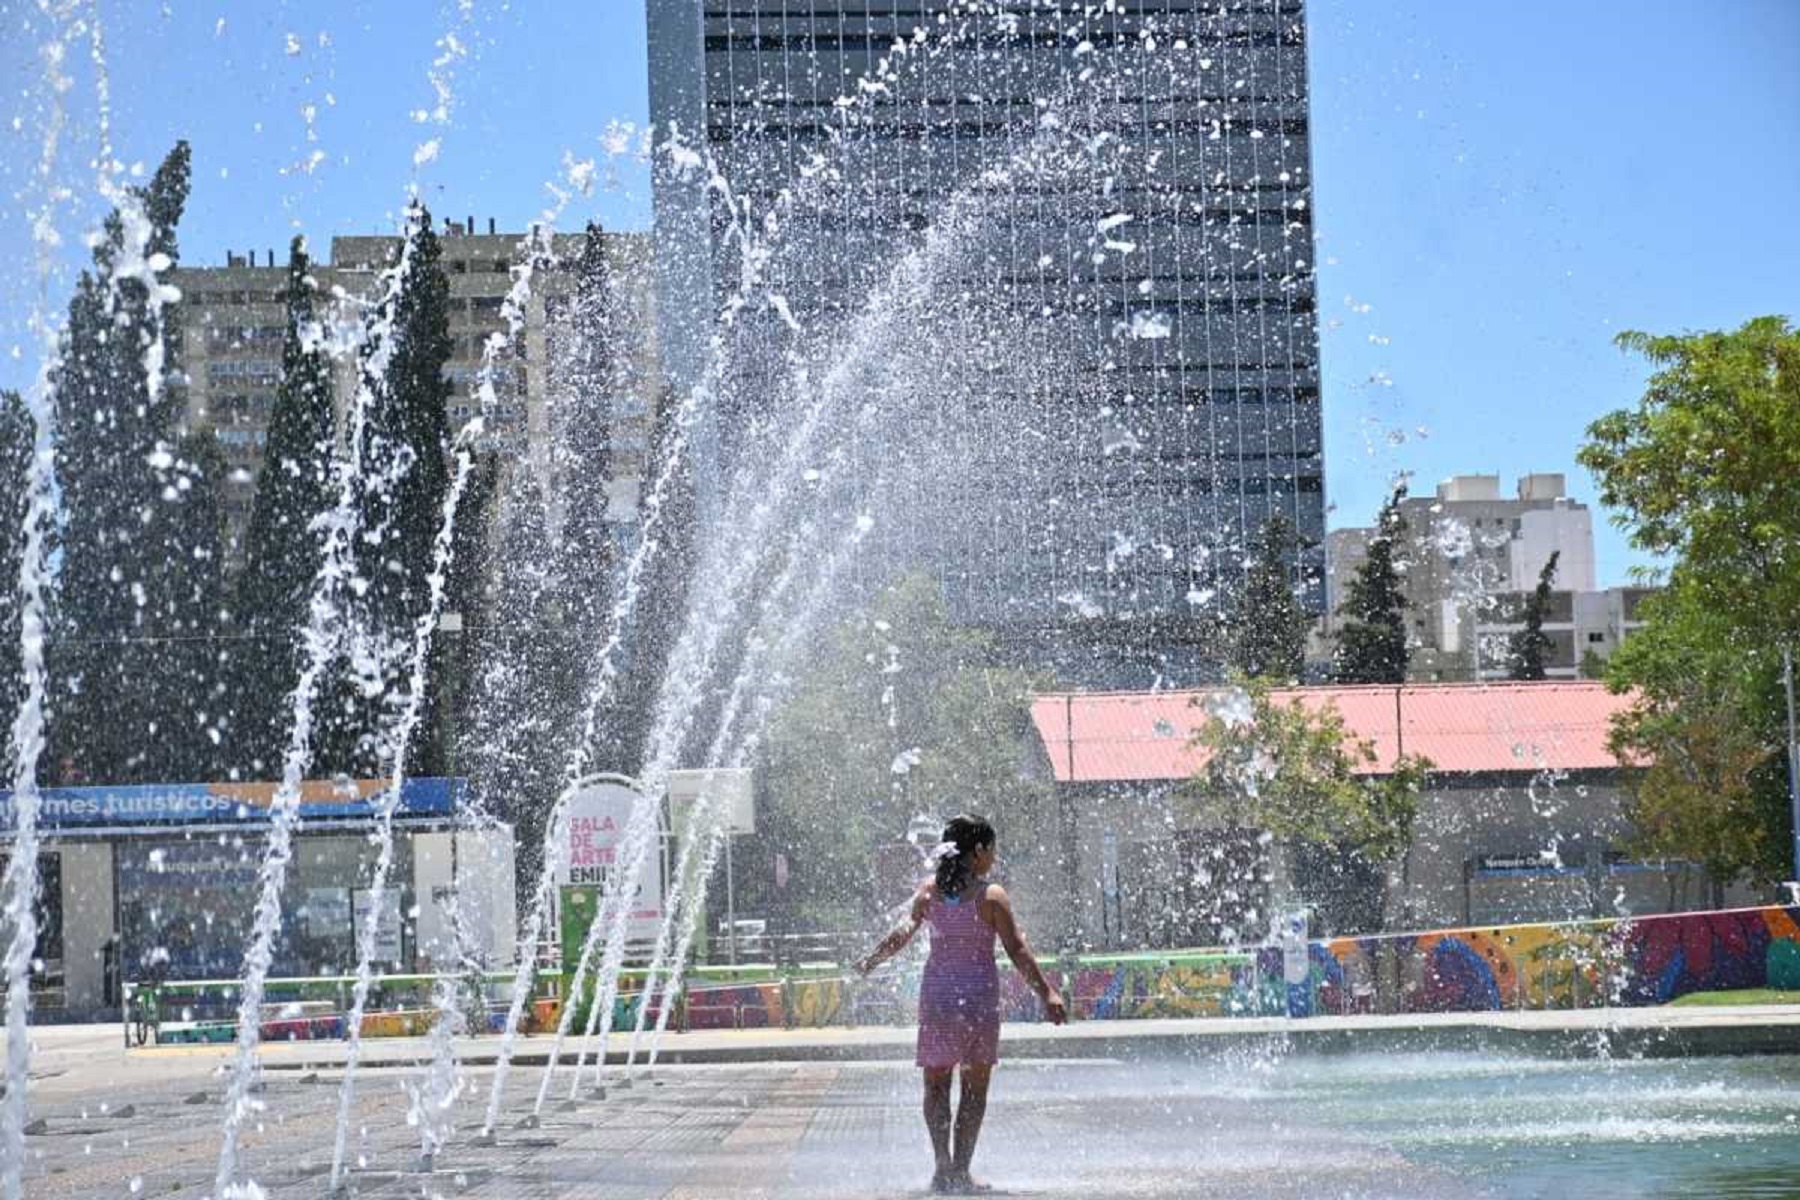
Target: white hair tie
<point>942,850</point>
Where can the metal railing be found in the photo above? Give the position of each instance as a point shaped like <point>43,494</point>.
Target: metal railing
<point>211,1004</point>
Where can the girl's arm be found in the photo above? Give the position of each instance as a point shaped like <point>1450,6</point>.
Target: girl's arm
<point>1000,916</point>
<point>896,941</point>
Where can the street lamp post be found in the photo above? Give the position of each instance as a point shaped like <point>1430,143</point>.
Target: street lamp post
<point>1793,756</point>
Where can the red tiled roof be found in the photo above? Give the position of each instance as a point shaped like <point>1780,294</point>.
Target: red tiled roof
<point>1117,736</point>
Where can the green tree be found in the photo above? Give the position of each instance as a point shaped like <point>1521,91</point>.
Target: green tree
<point>901,713</point>
<point>457,648</point>
<point>585,386</point>
<point>587,381</point>
<point>183,671</point>
<point>1269,627</point>
<point>1527,649</point>
<point>284,550</point>
<point>16,437</point>
<point>1701,471</point>
<point>520,726</point>
<point>1702,744</point>
<point>1294,770</point>
<point>405,444</point>
<point>137,551</point>
<point>1371,637</point>
<point>662,604</point>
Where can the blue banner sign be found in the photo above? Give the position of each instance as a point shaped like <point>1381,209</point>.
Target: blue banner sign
<point>229,803</point>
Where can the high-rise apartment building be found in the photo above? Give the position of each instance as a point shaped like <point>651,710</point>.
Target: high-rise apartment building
<point>233,319</point>
<point>1146,218</point>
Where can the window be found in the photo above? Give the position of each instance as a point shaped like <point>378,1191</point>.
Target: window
<point>258,370</point>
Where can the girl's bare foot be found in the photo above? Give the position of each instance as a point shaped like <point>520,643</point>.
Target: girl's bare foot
<point>962,1183</point>
<point>940,1182</point>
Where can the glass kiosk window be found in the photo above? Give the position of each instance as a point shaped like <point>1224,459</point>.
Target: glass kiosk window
<point>47,952</point>
<point>187,905</point>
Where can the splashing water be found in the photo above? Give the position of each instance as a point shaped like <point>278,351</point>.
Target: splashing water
<point>835,454</point>
<point>433,1098</point>
<point>341,527</point>
<point>604,674</point>
<point>442,1084</point>
<point>20,883</point>
<point>399,738</point>
<point>677,702</point>
<point>701,839</point>
<point>599,688</point>
<point>753,513</point>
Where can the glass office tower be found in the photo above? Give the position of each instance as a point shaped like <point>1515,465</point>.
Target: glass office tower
<point>1127,188</point>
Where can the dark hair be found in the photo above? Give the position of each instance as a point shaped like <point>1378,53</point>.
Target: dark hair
<point>956,869</point>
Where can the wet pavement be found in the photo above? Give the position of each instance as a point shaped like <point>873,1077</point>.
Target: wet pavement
<point>1234,1124</point>
<point>1055,1129</point>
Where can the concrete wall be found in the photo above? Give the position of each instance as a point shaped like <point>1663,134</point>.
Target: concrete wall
<point>1522,967</point>
<point>475,871</point>
<point>1460,824</point>
<point>1578,830</point>
<point>1512,849</point>
<point>1565,531</point>
<point>1103,827</point>
<point>87,882</point>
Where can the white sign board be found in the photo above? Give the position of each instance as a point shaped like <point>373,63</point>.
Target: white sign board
<point>387,926</point>
<point>1296,966</point>
<point>326,912</point>
<point>730,788</point>
<point>599,814</point>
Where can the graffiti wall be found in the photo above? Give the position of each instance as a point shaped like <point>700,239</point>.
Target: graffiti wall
<point>332,1026</point>
<point>1199,985</point>
<point>771,1003</point>
<point>800,1004</point>
<point>1648,960</point>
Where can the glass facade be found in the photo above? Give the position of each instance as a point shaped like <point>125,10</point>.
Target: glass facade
<point>1129,185</point>
<point>186,904</point>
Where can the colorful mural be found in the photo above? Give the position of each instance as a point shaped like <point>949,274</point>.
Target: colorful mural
<point>794,1004</point>
<point>1204,985</point>
<point>1586,964</point>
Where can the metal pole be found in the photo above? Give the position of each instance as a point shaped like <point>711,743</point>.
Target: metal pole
<point>1787,682</point>
<point>730,904</point>
<point>1475,631</point>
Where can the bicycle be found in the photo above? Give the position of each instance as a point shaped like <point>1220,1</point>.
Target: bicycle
<point>143,1013</point>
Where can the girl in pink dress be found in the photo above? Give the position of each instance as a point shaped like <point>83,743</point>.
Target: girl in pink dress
<point>959,1000</point>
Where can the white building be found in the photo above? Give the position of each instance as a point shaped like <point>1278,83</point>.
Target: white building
<point>1472,557</point>
<point>1584,629</point>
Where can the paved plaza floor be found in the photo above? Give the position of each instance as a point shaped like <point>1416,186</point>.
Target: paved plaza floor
<point>1056,1129</point>
<point>1243,1122</point>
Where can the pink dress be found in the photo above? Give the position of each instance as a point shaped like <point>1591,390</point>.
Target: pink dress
<point>959,999</point>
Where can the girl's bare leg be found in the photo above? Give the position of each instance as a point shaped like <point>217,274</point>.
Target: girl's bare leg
<point>937,1123</point>
<point>971,1107</point>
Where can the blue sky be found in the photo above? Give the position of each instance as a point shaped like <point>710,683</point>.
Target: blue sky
<point>1501,187</point>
